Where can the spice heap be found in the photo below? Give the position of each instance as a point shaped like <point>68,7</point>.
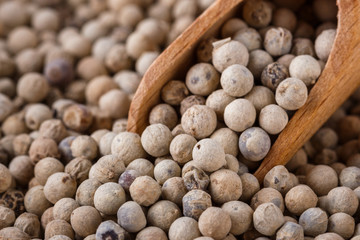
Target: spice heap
<point>69,169</point>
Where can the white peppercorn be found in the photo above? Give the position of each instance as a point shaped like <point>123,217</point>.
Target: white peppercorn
<point>260,97</point>
<point>250,186</point>
<point>303,46</point>
<point>324,42</point>
<point>144,61</point>
<point>350,177</point>
<point>237,80</point>
<point>314,221</point>
<point>291,94</point>
<point>300,198</point>
<point>228,52</point>
<point>273,119</point>
<point>79,168</point>
<point>58,186</point>
<point>254,143</point>
<point>215,222</point>
<point>217,101</point>
<point>13,232</point>
<point>108,229</point>
<point>306,68</point>
<point>277,41</point>
<point>22,169</point>
<point>239,115</point>
<point>127,147</point>
<point>240,214</point>
<point>162,214</point>
<point>290,230</point>
<point>7,217</point>
<point>166,169</point>
<point>149,233</point>
<point>174,92</point>
<point>137,43</point>
<point>77,117</point>
<point>286,59</point>
<point>84,146</point>
<point>225,185</point>
<point>342,224</point>
<point>249,37</point>
<point>184,228</point>
<point>46,167</point>
<point>181,148</point>
<point>209,155</point>
<point>15,40</point>
<point>267,218</point>
<point>85,192</point>
<point>164,114</point>
<point>342,199</point>
<point>109,197</point>
<point>35,200</point>
<point>156,140</point>
<point>33,87</point>
<point>107,169</point>
<point>174,190</point>
<point>266,195</point>
<point>28,223</point>
<point>143,167</point>
<point>258,60</point>
<point>85,220</point>
<point>145,196</point>
<point>315,177</point>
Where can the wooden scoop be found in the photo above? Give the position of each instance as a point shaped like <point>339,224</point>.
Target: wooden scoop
<point>339,79</point>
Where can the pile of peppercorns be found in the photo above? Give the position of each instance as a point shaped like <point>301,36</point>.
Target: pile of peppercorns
<point>69,169</point>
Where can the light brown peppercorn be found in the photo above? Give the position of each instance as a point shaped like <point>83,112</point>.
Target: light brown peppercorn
<point>131,217</point>
<point>85,220</point>
<point>266,195</point>
<point>58,186</point>
<point>14,125</point>
<point>286,59</point>
<point>164,114</point>
<point>109,197</point>
<point>342,224</point>
<point>315,177</point>
<point>156,140</point>
<point>250,186</point>
<point>142,166</point>
<point>33,87</point>
<point>119,125</point>
<point>218,100</point>
<point>279,178</point>
<point>137,43</point>
<point>97,87</point>
<point>107,169</point>
<point>13,233</point>
<point>328,236</point>
<point>145,196</point>
<point>231,26</point>
<point>202,79</point>
<point>54,129</point>
<point>342,199</point>
<point>117,58</point>
<point>184,228</point>
<point>228,53</point>
<point>115,102</point>
<point>128,80</point>
<point>260,97</point>
<point>303,46</point>
<point>15,40</point>
<point>63,208</point>
<point>84,146</point>
<point>273,74</point>
<point>150,233</point>
<point>314,221</point>
<point>166,169</point>
<point>6,106</point>
<point>45,19</point>
<point>35,200</point>
<point>28,60</point>
<point>290,230</point>
<point>215,222</point>
<point>58,227</point>
<point>90,67</point>
<point>144,61</point>
<point>162,214</point>
<point>105,143</point>
<point>300,198</point>
<point>43,147</point>
<point>46,167</point>
<point>204,50</point>
<point>239,115</point>
<point>173,190</point>
<point>181,148</point>
<point>325,138</point>
<point>190,101</point>
<point>228,139</point>
<point>77,117</point>
<point>285,18</point>
<point>77,45</point>
<point>273,119</point>
<point>29,223</point>
<point>291,94</point>
<point>240,214</point>
<point>22,169</point>
<point>174,92</point>
<point>258,60</point>
<point>257,14</point>
<point>7,217</point>
<point>350,177</point>
<point>225,185</point>
<point>78,168</point>
<point>36,114</point>
<point>85,192</point>
<point>209,155</point>
<point>127,147</point>
<point>267,218</point>
<point>278,41</point>
<point>47,217</point>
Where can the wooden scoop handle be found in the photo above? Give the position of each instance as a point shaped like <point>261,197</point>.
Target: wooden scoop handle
<point>173,60</point>
<point>337,82</point>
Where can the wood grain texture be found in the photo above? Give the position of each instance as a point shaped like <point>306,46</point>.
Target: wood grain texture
<point>173,60</point>
<point>337,82</point>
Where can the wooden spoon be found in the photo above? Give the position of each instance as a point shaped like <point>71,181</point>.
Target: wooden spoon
<point>337,82</point>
